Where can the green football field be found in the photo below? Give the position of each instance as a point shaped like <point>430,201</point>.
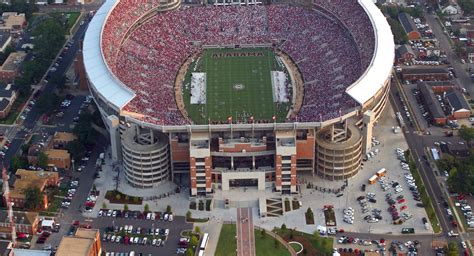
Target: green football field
<point>238,84</point>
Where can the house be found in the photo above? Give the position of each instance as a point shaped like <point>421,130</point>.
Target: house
<point>10,68</point>
<point>425,74</point>
<point>8,96</point>
<point>12,22</point>
<point>459,150</point>
<point>61,139</point>
<point>85,242</point>
<point>409,26</point>
<point>451,10</point>
<point>404,54</point>
<point>59,158</point>
<point>432,103</point>
<point>25,222</point>
<point>460,107</point>
<point>25,179</point>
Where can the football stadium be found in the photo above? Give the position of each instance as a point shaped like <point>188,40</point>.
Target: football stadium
<point>223,94</point>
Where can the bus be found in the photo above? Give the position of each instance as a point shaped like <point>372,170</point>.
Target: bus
<point>205,239</point>
<point>381,172</point>
<point>373,179</point>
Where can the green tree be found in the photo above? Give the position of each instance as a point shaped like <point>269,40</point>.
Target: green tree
<point>466,133</point>
<point>189,252</point>
<point>193,242</point>
<point>188,215</point>
<point>47,103</point>
<point>399,33</point>
<point>118,197</point>
<point>276,244</point>
<point>17,163</point>
<point>262,233</point>
<point>104,205</point>
<point>453,249</point>
<point>60,82</point>
<point>197,230</point>
<point>77,149</point>
<point>125,207</point>
<point>42,160</point>
<point>283,226</point>
<point>33,198</point>
<point>467,6</point>
<point>168,209</point>
<point>146,208</point>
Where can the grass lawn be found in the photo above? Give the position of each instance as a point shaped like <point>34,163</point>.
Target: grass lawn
<point>238,85</point>
<point>425,199</point>
<point>227,243</point>
<point>71,18</point>
<point>311,244</point>
<point>268,246</point>
<point>296,247</point>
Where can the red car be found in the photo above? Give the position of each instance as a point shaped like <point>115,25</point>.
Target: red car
<point>403,208</point>
<point>401,201</point>
<point>76,223</point>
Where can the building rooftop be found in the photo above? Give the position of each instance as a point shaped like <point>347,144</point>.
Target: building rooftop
<point>457,100</point>
<point>407,22</point>
<point>57,153</point>
<point>87,233</point>
<point>431,101</point>
<point>26,179</point>
<point>64,136</point>
<point>19,217</point>
<point>30,252</point>
<point>74,246</point>
<point>13,20</point>
<point>13,62</point>
<point>425,70</point>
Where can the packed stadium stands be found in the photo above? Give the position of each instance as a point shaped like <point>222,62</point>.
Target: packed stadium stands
<point>331,49</point>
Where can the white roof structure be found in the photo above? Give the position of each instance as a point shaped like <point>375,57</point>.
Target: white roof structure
<point>381,65</point>
<point>109,88</point>
<point>113,91</point>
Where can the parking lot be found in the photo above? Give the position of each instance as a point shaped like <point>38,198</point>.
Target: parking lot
<point>392,197</point>
<point>140,228</point>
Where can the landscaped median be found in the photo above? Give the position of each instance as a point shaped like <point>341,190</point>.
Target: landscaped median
<point>426,200</point>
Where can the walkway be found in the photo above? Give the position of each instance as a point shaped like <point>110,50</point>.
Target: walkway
<point>245,232</point>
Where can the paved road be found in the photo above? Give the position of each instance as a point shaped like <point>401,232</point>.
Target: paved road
<point>18,134</point>
<point>245,232</point>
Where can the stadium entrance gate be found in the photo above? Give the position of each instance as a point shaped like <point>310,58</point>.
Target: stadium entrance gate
<point>243,179</point>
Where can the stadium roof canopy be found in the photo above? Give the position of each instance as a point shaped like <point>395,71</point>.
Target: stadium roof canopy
<point>104,81</point>
<point>381,66</point>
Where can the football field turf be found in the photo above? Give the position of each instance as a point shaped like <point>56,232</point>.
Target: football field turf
<point>238,85</point>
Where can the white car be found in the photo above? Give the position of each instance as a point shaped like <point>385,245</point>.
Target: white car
<point>463,244</point>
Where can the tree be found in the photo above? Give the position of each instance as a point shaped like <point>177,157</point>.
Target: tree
<point>262,233</point>
<point>466,133</point>
<point>399,33</point>
<point>197,230</point>
<point>77,149</point>
<point>17,163</point>
<point>453,249</point>
<point>146,208</point>
<point>276,244</point>
<point>168,209</point>
<point>283,226</point>
<point>193,242</point>
<point>104,205</point>
<point>189,252</point>
<point>467,6</point>
<point>188,215</point>
<point>33,198</point>
<point>42,160</point>
<point>125,207</point>
<point>60,82</point>
<point>47,103</point>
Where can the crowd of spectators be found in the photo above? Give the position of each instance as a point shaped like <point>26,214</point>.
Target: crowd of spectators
<point>328,56</point>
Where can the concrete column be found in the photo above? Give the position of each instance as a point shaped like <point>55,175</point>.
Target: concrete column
<point>253,162</point>
<point>114,132</point>
<point>369,120</point>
